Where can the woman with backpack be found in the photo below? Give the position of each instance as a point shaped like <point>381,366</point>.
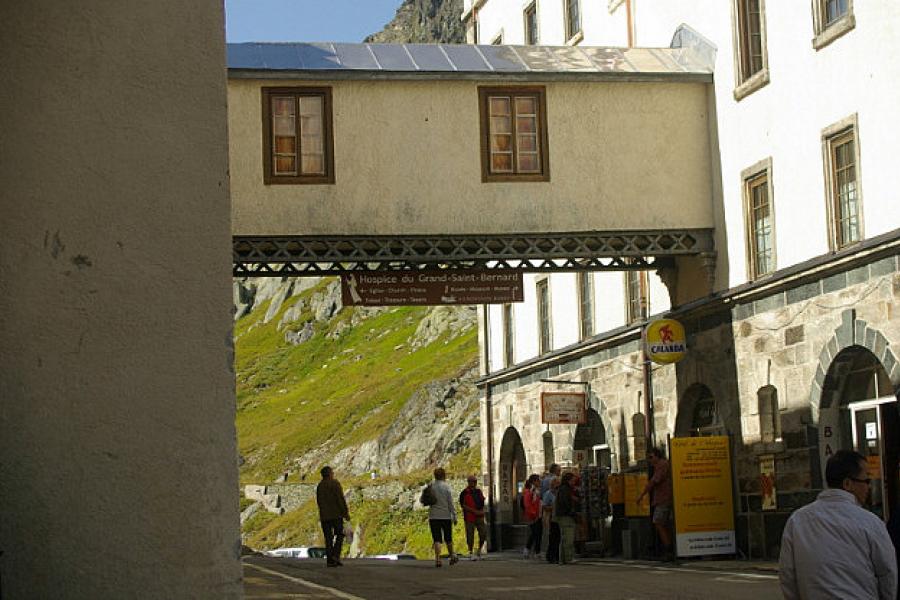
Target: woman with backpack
<point>531,504</point>
<point>438,497</point>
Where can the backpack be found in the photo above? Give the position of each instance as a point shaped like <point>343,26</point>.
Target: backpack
<point>428,497</point>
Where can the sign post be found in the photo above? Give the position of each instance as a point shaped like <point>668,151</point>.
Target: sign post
<point>703,496</point>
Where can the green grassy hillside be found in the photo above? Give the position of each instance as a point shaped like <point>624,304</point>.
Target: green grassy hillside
<point>293,399</point>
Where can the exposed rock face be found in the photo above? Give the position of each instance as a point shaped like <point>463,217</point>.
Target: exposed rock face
<point>438,421</point>
<point>424,21</point>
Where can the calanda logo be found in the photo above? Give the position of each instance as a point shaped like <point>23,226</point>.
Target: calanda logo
<point>665,341</point>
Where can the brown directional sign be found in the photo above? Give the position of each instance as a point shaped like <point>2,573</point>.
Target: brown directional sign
<point>421,288</point>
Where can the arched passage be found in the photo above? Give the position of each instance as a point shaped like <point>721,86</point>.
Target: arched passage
<point>858,411</point>
<point>512,474</point>
<point>591,439</point>
<point>698,413</point>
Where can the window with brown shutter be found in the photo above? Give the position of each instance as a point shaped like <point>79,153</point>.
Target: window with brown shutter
<point>297,136</point>
<point>514,134</point>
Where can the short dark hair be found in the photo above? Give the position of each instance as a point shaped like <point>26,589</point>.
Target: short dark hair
<point>554,467</point>
<point>567,477</point>
<point>325,472</point>
<point>843,464</point>
<point>440,474</point>
<point>657,452</point>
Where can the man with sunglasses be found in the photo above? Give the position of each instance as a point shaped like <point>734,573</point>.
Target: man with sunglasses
<point>835,548</point>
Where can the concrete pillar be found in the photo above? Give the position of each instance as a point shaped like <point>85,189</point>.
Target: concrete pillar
<point>118,476</point>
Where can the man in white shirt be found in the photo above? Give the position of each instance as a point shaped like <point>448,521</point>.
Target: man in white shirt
<point>834,548</point>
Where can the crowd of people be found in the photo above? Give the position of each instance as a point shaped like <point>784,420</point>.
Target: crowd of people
<point>831,548</point>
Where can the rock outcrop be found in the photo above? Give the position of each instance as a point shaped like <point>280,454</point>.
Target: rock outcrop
<point>424,21</point>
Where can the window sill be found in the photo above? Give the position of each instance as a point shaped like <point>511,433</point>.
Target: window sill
<point>511,178</point>
<point>311,180</point>
<point>759,79</point>
<point>575,39</point>
<point>834,31</point>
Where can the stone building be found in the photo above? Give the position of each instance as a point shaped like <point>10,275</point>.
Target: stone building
<point>793,352</point>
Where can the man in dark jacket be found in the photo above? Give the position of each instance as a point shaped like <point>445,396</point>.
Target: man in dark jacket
<point>566,509</point>
<point>472,501</point>
<point>332,512</point>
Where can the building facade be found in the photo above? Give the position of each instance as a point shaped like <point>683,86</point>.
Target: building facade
<point>793,354</point>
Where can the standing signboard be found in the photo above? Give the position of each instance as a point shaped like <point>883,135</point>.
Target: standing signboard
<point>703,497</point>
<point>634,485</point>
<point>767,482</point>
<point>569,408</point>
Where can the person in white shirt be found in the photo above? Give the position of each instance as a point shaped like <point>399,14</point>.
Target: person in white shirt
<point>442,517</point>
<point>834,548</point>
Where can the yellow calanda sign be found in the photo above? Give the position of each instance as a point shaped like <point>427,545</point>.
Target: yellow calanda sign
<point>665,341</point>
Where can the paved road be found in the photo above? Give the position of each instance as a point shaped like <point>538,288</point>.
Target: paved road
<point>366,579</point>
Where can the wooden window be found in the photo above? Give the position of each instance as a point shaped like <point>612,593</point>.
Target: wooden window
<point>833,10</point>
<point>513,134</point>
<point>297,135</point>
<point>831,20</point>
<point>841,150</point>
<point>586,304</point>
<point>844,191</point>
<point>573,20</point>
<point>759,219</point>
<point>508,336</point>
<point>751,47</point>
<point>637,299</point>
<point>543,313</point>
<point>531,24</point>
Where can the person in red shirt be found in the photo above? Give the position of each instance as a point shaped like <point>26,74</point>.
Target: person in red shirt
<point>531,500</point>
<point>661,498</point>
<point>472,501</point>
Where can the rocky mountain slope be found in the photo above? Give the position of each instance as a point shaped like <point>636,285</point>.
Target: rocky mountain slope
<point>424,21</point>
<point>387,391</point>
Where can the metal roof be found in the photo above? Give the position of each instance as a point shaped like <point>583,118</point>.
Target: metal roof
<point>461,61</point>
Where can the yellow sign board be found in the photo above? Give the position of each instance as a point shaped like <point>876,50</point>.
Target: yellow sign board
<point>615,486</point>
<point>634,485</point>
<point>665,341</point>
<point>704,504</point>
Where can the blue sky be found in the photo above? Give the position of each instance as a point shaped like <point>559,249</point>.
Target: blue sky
<point>306,20</point>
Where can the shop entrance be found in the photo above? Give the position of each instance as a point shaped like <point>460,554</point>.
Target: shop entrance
<point>590,442</point>
<point>869,422</point>
<point>513,473</point>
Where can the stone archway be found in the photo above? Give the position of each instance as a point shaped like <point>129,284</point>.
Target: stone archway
<point>513,471</point>
<point>698,412</point>
<point>857,368</point>
<point>591,435</point>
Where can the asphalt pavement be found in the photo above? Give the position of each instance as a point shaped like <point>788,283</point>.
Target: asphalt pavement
<point>507,577</point>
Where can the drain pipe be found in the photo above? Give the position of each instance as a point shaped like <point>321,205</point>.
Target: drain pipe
<point>493,546</point>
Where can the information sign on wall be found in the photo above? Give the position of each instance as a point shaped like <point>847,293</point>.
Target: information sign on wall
<point>564,408</point>
<point>634,485</point>
<point>616,485</point>
<point>422,288</point>
<point>704,505</point>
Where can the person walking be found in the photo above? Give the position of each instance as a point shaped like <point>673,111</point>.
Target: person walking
<point>834,548</point>
<point>332,512</point>
<point>531,498</point>
<point>471,499</point>
<point>566,509</point>
<point>554,471</point>
<point>659,487</point>
<point>442,517</point>
<point>548,501</point>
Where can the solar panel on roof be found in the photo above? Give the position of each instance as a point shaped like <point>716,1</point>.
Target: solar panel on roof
<point>356,56</point>
<point>502,58</point>
<point>448,58</point>
<point>318,56</point>
<point>429,57</point>
<point>466,58</point>
<point>277,56</point>
<point>393,57</point>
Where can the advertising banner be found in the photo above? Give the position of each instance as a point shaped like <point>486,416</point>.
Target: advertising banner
<point>704,505</point>
<point>634,485</point>
<point>564,408</point>
<point>665,341</point>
